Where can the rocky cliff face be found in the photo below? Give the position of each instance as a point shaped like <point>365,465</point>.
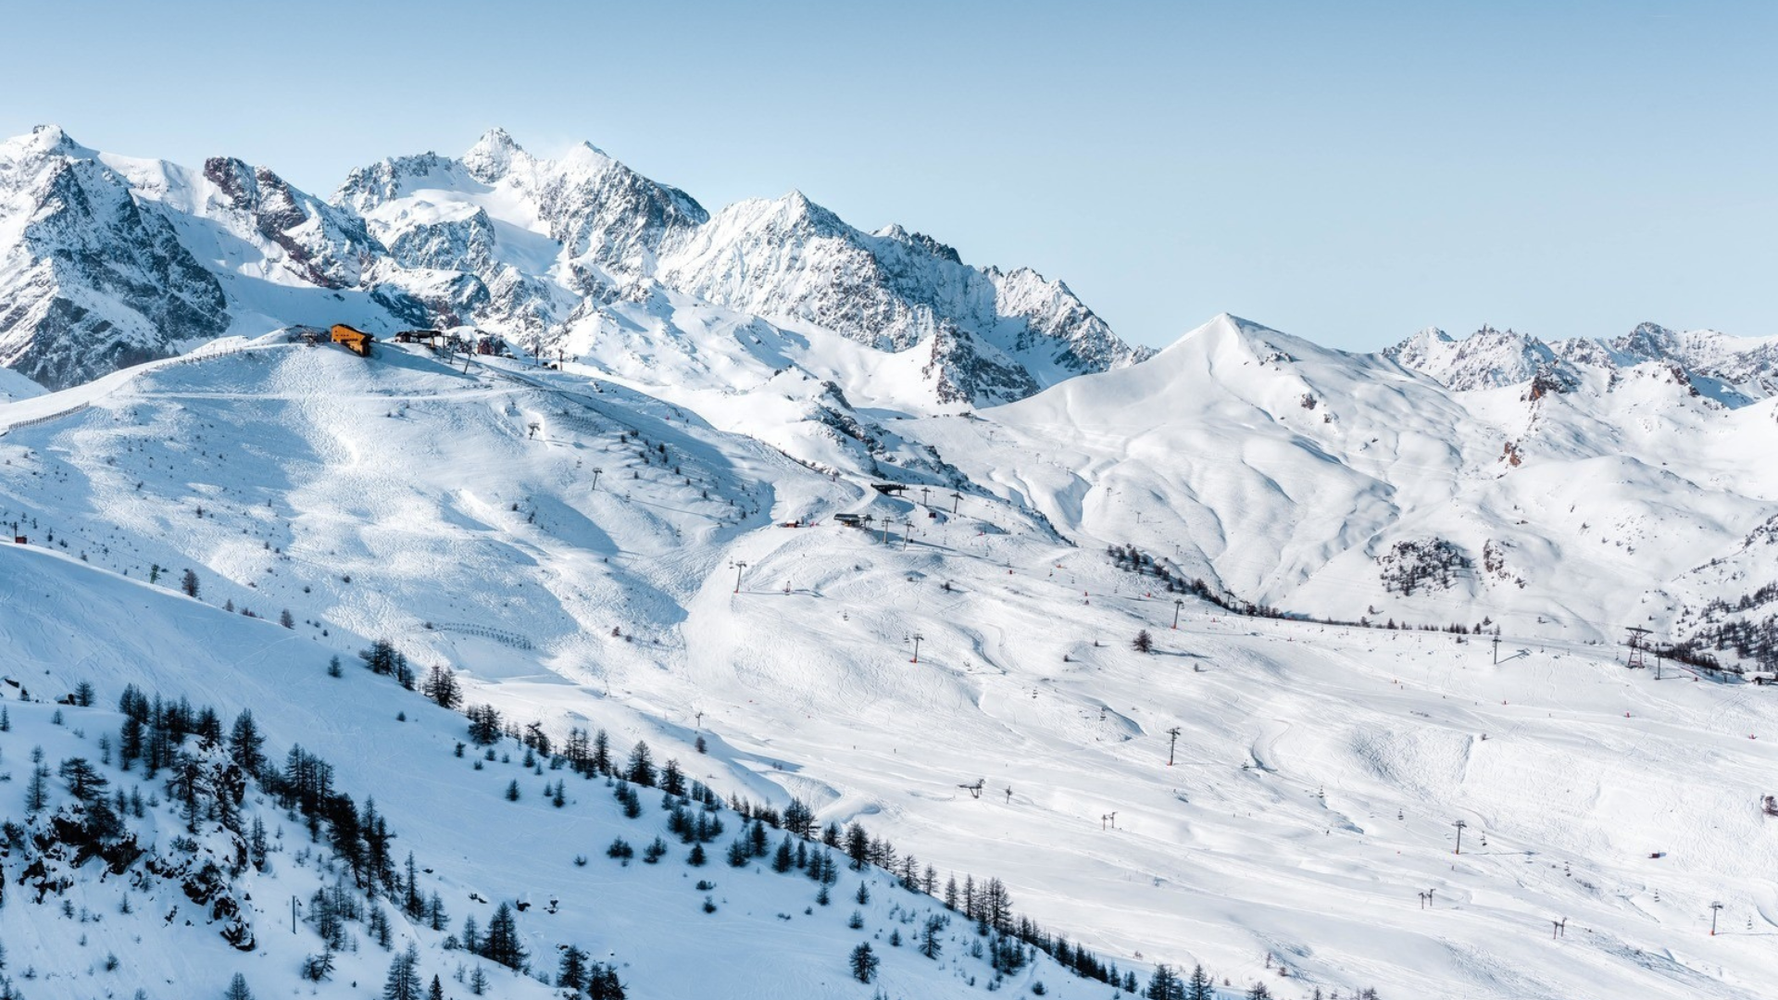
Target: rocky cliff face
<point>322,245</point>
<point>993,336</point>
<point>91,279</point>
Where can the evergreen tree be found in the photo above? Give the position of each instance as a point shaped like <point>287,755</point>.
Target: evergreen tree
<point>1143,643</point>
<point>189,584</point>
<point>930,946</point>
<point>378,926</point>
<point>37,792</point>
<point>572,973</point>
<point>84,780</point>
<point>799,819</point>
<point>318,967</point>
<point>1164,985</point>
<point>640,770</point>
<point>413,903</point>
<point>285,619</point>
<point>484,725</point>
<point>603,984</point>
<point>441,687</point>
<point>379,861</point>
<point>601,760</point>
<point>380,657</point>
<point>672,779</point>
<point>857,846</point>
<point>1199,987</point>
<point>436,917</point>
<point>1259,992</point>
<point>995,907</point>
<point>864,963</point>
<point>245,744</point>
<point>502,942</point>
<point>436,992</point>
<point>404,976</point>
<point>237,987</point>
<point>478,981</point>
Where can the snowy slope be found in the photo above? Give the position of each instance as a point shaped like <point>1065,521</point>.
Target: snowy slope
<point>764,936</point>
<point>14,386</point>
<point>1318,769</point>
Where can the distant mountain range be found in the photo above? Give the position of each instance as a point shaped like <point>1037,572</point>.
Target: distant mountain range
<point>108,260</point>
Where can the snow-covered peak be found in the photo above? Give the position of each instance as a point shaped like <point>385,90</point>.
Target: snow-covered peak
<point>93,276</point>
<point>1486,359</point>
<point>920,241</point>
<point>527,246</point>
<point>789,216</point>
<point>992,336</point>
<point>1650,342</point>
<point>44,140</point>
<point>494,155</point>
<point>584,156</point>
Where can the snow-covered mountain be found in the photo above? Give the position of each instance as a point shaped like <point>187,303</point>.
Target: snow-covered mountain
<point>1564,496</point>
<point>1734,370</point>
<point>1486,359</point>
<point>91,278</point>
<point>652,539</point>
<point>107,260</point>
<point>991,336</point>
<point>587,556</point>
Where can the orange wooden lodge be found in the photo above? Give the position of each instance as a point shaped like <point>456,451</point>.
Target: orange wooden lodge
<point>356,341</point>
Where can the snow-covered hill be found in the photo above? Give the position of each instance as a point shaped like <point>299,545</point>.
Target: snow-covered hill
<point>957,674</point>
<point>1289,475</point>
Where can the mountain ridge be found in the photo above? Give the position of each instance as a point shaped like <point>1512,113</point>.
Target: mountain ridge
<point>524,247</point>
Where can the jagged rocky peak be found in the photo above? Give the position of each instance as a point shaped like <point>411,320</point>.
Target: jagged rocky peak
<point>321,244</point>
<point>1486,359</point>
<point>495,155</point>
<point>1649,342</point>
<point>502,237</point>
<point>919,241</point>
<point>790,215</point>
<point>993,336</point>
<point>97,278</point>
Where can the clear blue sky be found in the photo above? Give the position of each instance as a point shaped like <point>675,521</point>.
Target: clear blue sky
<point>1348,172</point>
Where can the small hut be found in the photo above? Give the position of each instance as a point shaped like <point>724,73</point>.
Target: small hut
<point>354,340</point>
